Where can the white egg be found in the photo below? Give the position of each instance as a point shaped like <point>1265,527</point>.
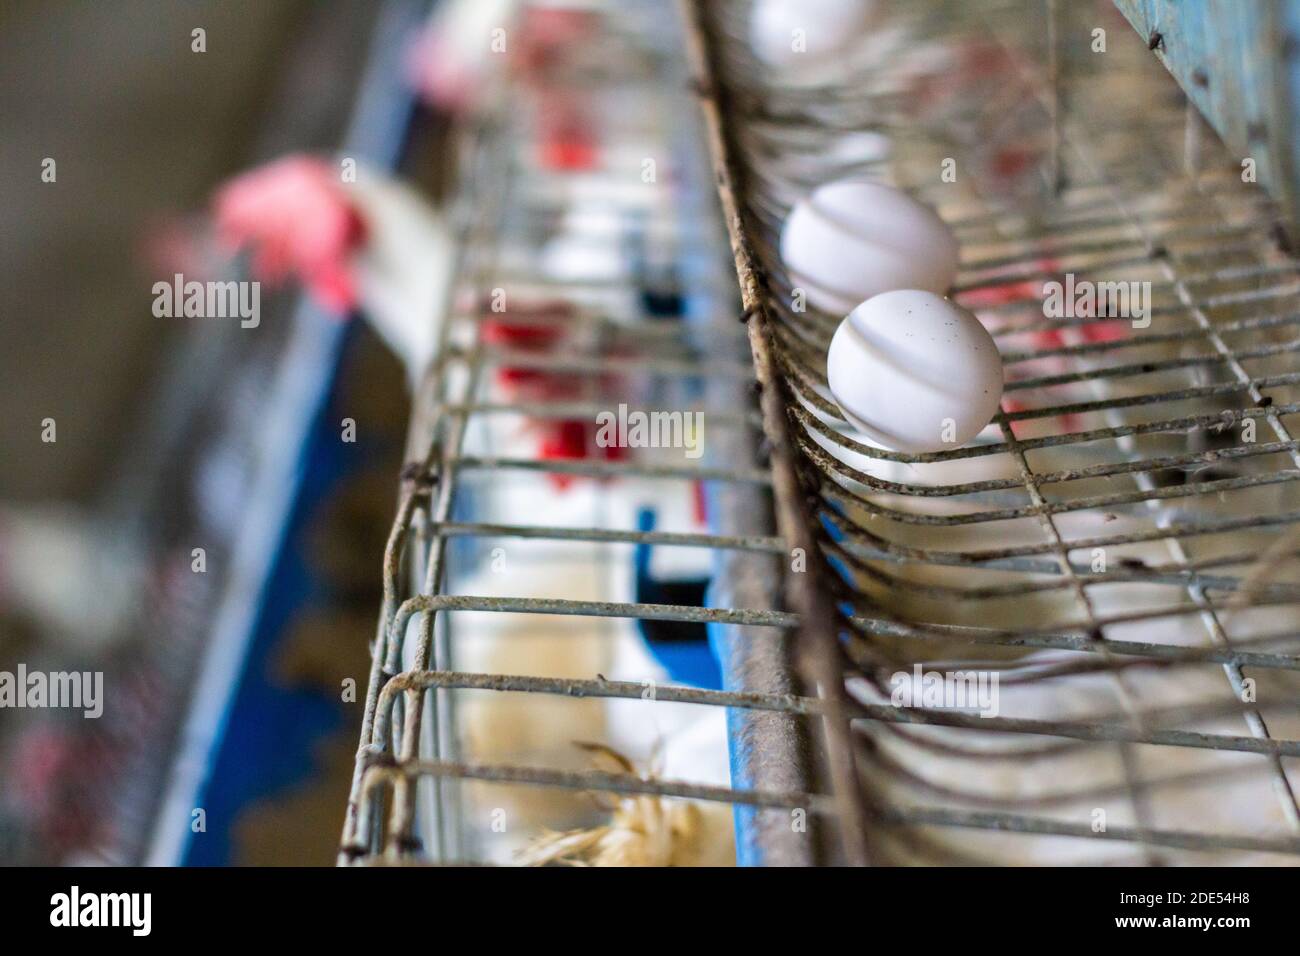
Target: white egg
<point>859,148</point>
<point>852,239</point>
<point>914,372</point>
<point>794,34</point>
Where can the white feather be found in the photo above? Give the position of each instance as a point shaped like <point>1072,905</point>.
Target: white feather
<point>404,269</point>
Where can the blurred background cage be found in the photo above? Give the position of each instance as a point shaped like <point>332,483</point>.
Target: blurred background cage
<point>1117,547</point>
<point>142,541</point>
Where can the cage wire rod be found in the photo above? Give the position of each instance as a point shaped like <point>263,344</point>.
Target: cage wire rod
<point>713,416</point>
<point>588,318</point>
<point>1114,404</point>
<point>1108,470</point>
<point>614,469</point>
<point>1044,508</point>
<point>1139,572</point>
<point>425,604</point>
<point>602,364</point>
<point>356,834</point>
<point>1068,796</point>
<point>1031,258</point>
<point>1136,572</point>
<point>1009,823</point>
<point>1163,574</point>
<point>765,543</point>
<point>1079,210</point>
<point>1069,638</point>
<point>693,614</point>
<point>1214,626</point>
<point>1041,323</point>
<point>447,447</point>
<point>1013,356</point>
<point>595,780</point>
<point>1146,368</point>
<point>601,687</point>
<point>352,842</point>
<point>1035,509</point>
<point>1001,272</point>
<point>1080,256</point>
<point>1095,731</point>
<point>1082,630</point>
<point>975,558</point>
<point>472,225</point>
<point>1074,209</point>
<point>402,817</point>
<point>1185,423</point>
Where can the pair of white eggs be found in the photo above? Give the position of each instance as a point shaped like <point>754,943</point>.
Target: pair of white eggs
<point>911,370</point>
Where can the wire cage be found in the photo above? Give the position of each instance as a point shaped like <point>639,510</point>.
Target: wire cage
<point>1114,556</point>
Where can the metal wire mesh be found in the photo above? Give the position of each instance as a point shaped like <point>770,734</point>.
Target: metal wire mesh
<point>1124,498</point>
<point>1119,553</point>
<point>410,733</point>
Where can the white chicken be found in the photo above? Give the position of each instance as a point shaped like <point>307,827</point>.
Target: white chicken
<point>405,269</point>
<point>70,574</point>
<point>450,62</point>
<point>643,829</point>
<point>669,740</point>
<point>355,237</point>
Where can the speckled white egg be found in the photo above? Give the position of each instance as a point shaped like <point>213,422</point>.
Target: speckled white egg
<point>798,34</point>
<point>853,239</point>
<point>914,372</point>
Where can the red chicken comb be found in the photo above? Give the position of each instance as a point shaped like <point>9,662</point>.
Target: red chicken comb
<point>295,218</point>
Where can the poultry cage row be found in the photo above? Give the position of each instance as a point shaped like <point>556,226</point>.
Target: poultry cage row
<point>1114,555</point>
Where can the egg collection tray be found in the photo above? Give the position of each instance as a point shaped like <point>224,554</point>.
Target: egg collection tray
<point>1118,548</point>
